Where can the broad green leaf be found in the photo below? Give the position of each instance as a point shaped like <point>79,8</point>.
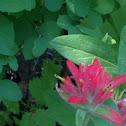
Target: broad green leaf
<point>122,50</point>
<point>13,63</point>
<point>53,5</point>
<point>80,115</point>
<point>50,30</point>
<point>40,45</point>
<point>65,22</point>
<point>9,90</point>
<point>119,17</point>
<point>16,5</point>
<point>104,6</point>
<point>79,7</point>
<point>7,45</point>
<point>83,49</point>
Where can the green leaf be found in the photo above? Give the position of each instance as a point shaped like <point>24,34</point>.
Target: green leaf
<point>28,45</point>
<point>104,6</point>
<point>5,119</point>
<point>59,110</point>
<point>118,17</point>
<point>3,61</point>
<point>9,90</point>
<point>65,22</point>
<point>7,45</point>
<point>109,28</point>
<point>91,32</point>
<point>122,3</point>
<point>79,7</point>
<point>122,50</point>
<point>22,31</point>
<point>40,45</point>
<point>98,121</point>
<point>16,5</point>
<point>53,5</point>
<point>74,30</point>
<point>72,15</point>
<point>80,115</point>
<point>111,104</point>
<point>95,19</point>
<point>43,90</point>
<point>13,63</point>
<point>39,118</point>
<point>49,16</point>
<point>1,68</point>
<point>50,30</point>
<point>108,39</point>
<point>40,86</point>
<point>11,106</point>
<point>83,49</point>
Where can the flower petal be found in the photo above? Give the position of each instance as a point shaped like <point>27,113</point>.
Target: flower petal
<point>77,100</point>
<point>73,69</point>
<point>118,81</point>
<point>109,114</point>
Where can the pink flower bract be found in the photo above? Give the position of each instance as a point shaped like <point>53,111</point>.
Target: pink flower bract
<point>93,85</point>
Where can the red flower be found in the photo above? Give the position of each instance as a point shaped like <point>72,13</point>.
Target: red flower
<point>122,107</point>
<point>92,87</point>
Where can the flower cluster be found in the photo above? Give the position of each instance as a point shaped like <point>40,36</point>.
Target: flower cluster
<point>93,85</point>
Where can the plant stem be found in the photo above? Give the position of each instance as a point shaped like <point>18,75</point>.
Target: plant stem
<point>86,119</point>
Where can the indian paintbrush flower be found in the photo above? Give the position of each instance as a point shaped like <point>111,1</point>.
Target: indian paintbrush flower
<point>122,107</point>
<point>93,85</point>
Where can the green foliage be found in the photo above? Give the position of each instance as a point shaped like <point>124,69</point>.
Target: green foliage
<point>16,5</point>
<point>28,26</point>
<point>41,86</point>
<point>11,106</point>
<point>79,7</point>
<point>5,119</point>
<point>39,118</point>
<point>75,48</point>
<point>7,45</point>
<point>42,89</point>
<point>122,50</point>
<point>80,115</point>
<point>54,5</point>
<point>104,6</point>
<point>9,90</point>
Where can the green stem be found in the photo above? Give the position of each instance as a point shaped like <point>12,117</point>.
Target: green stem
<point>86,119</point>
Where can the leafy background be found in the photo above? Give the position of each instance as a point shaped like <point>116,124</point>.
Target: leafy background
<point>28,32</point>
